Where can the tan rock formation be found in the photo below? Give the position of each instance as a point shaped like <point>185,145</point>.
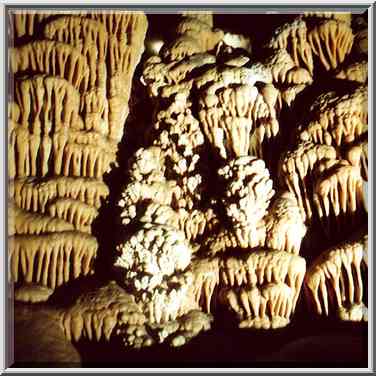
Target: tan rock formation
<point>72,81</point>
<point>335,283</point>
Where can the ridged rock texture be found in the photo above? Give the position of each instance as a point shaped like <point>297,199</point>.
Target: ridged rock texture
<point>246,188</point>
<point>71,86</point>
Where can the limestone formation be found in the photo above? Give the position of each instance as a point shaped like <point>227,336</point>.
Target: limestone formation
<point>338,190</point>
<point>335,283</point>
<point>263,287</point>
<point>357,71</point>
<point>72,80</point>
<point>294,37</point>
<point>331,40</point>
<point>237,116</point>
<point>285,228</point>
<point>243,156</point>
<point>248,190</point>
<point>33,293</point>
<point>296,169</point>
<point>338,119</point>
<point>98,311</point>
<point>51,259</point>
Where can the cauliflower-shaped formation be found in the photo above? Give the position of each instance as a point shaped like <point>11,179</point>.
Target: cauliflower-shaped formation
<point>151,254</point>
<point>147,165</point>
<point>248,190</point>
<point>171,299</point>
<point>176,332</point>
<point>285,228</point>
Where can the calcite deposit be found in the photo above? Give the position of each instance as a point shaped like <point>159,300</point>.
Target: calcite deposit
<point>66,113</point>
<point>335,280</point>
<point>240,176</point>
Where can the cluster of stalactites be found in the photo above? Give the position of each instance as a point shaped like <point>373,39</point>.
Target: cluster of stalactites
<point>238,116</point>
<point>296,171</point>
<point>194,35</point>
<point>288,77</point>
<point>328,36</point>
<point>338,119</point>
<point>331,41</point>
<point>51,259</point>
<point>327,168</point>
<point>66,117</point>
<point>293,37</point>
<point>98,312</point>
<point>46,221</point>
<point>262,288</point>
<point>335,281</point>
<point>338,194</point>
